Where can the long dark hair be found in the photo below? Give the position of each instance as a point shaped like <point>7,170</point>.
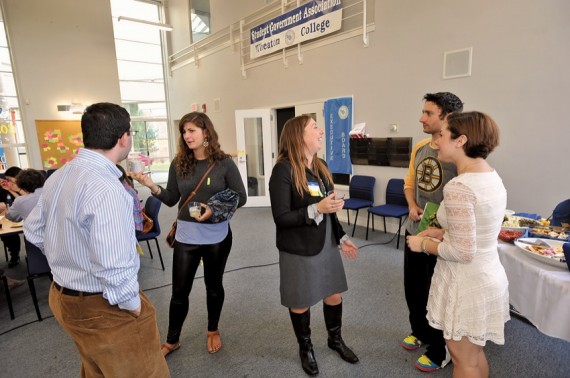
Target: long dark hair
<point>185,160</point>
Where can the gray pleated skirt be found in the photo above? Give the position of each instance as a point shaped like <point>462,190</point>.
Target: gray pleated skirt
<point>306,280</point>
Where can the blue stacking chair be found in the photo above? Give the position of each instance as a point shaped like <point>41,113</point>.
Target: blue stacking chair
<point>152,207</point>
<point>37,267</point>
<point>396,207</point>
<point>361,195</point>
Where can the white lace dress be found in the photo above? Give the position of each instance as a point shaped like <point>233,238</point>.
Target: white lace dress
<point>469,291</point>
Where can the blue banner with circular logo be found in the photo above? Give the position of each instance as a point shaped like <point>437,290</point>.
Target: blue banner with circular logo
<point>338,122</point>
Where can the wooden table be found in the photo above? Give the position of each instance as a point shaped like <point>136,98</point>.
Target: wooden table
<point>539,291</point>
<point>9,227</point>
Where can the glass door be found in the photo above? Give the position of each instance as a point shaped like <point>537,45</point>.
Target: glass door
<point>254,153</point>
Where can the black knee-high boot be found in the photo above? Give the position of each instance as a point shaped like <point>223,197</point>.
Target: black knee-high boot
<point>333,321</point>
<point>302,327</point>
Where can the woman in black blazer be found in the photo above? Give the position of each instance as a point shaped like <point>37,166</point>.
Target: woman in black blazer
<point>309,237</point>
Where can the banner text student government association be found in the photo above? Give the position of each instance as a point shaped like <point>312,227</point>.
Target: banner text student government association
<point>309,21</point>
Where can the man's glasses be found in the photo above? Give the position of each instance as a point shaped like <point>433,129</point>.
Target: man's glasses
<point>132,132</point>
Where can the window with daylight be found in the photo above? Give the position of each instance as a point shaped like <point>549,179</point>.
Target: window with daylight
<point>13,151</point>
<point>138,44</point>
<point>199,19</point>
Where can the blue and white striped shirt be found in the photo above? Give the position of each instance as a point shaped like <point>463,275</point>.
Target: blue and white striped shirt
<point>84,224</point>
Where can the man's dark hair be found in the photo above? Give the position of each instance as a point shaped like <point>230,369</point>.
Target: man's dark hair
<point>30,179</point>
<point>12,172</point>
<point>446,101</point>
<point>103,124</point>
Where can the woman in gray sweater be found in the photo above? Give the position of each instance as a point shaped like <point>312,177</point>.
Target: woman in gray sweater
<point>207,237</point>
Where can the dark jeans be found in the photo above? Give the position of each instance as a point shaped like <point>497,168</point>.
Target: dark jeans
<point>418,270</point>
<point>185,262</point>
<point>12,243</point>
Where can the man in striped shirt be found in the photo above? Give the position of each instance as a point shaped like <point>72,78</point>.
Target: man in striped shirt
<point>84,224</point>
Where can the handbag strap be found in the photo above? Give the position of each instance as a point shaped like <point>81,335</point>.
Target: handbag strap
<point>195,189</point>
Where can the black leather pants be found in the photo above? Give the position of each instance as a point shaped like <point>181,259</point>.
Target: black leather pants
<point>185,262</point>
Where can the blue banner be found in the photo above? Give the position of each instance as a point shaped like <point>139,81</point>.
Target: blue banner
<point>338,120</point>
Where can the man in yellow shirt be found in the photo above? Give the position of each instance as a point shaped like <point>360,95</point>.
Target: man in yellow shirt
<point>424,183</point>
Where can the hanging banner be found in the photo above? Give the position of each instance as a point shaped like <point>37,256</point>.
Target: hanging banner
<point>309,21</point>
<point>338,119</point>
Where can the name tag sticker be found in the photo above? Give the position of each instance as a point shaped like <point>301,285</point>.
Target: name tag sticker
<point>314,189</point>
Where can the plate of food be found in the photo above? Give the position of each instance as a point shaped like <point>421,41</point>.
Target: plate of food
<point>510,234</point>
<point>548,251</point>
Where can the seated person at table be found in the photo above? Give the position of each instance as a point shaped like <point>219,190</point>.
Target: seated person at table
<point>561,214</point>
<point>9,191</point>
<point>30,182</point>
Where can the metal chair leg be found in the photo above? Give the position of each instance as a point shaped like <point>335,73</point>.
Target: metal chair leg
<point>34,297</point>
<point>368,223</point>
<point>149,250</point>
<point>399,229</point>
<point>355,219</point>
<point>159,253</point>
<point>348,216</point>
<point>8,297</point>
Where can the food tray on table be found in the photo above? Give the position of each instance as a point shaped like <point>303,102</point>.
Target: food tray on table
<point>515,221</point>
<point>510,234</point>
<point>548,251</point>
<point>552,232</point>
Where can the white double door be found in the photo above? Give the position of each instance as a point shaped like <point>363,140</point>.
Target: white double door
<point>257,140</point>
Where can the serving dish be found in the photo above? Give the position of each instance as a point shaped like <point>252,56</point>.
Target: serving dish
<point>552,232</point>
<point>548,251</point>
<point>510,234</point>
<point>517,221</point>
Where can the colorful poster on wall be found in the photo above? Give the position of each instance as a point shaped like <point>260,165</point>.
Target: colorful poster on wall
<point>338,122</point>
<point>59,141</point>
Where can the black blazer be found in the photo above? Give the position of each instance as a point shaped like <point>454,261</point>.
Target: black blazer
<point>296,232</point>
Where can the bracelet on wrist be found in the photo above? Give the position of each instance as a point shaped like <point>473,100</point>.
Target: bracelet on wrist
<point>157,192</point>
<point>424,246</point>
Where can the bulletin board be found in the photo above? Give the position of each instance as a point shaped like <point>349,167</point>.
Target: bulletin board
<point>59,141</point>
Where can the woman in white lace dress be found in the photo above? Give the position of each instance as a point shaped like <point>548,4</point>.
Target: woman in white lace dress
<point>468,299</point>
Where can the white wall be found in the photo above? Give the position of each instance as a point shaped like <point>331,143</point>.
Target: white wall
<point>63,51</point>
<point>520,77</point>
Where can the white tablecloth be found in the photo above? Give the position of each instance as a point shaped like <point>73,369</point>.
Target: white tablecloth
<point>539,291</point>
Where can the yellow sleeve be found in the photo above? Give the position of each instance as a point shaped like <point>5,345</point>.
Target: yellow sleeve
<point>410,179</point>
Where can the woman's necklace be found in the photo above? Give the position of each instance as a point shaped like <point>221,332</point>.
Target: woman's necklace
<point>468,168</point>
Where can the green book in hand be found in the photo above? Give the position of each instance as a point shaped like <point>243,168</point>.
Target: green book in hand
<point>429,217</point>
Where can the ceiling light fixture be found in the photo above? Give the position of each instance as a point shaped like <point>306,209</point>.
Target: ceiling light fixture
<point>157,25</point>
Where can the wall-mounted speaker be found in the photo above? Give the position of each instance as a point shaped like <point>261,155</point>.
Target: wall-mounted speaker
<point>457,63</point>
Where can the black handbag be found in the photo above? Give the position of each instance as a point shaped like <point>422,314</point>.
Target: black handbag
<point>171,237</point>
